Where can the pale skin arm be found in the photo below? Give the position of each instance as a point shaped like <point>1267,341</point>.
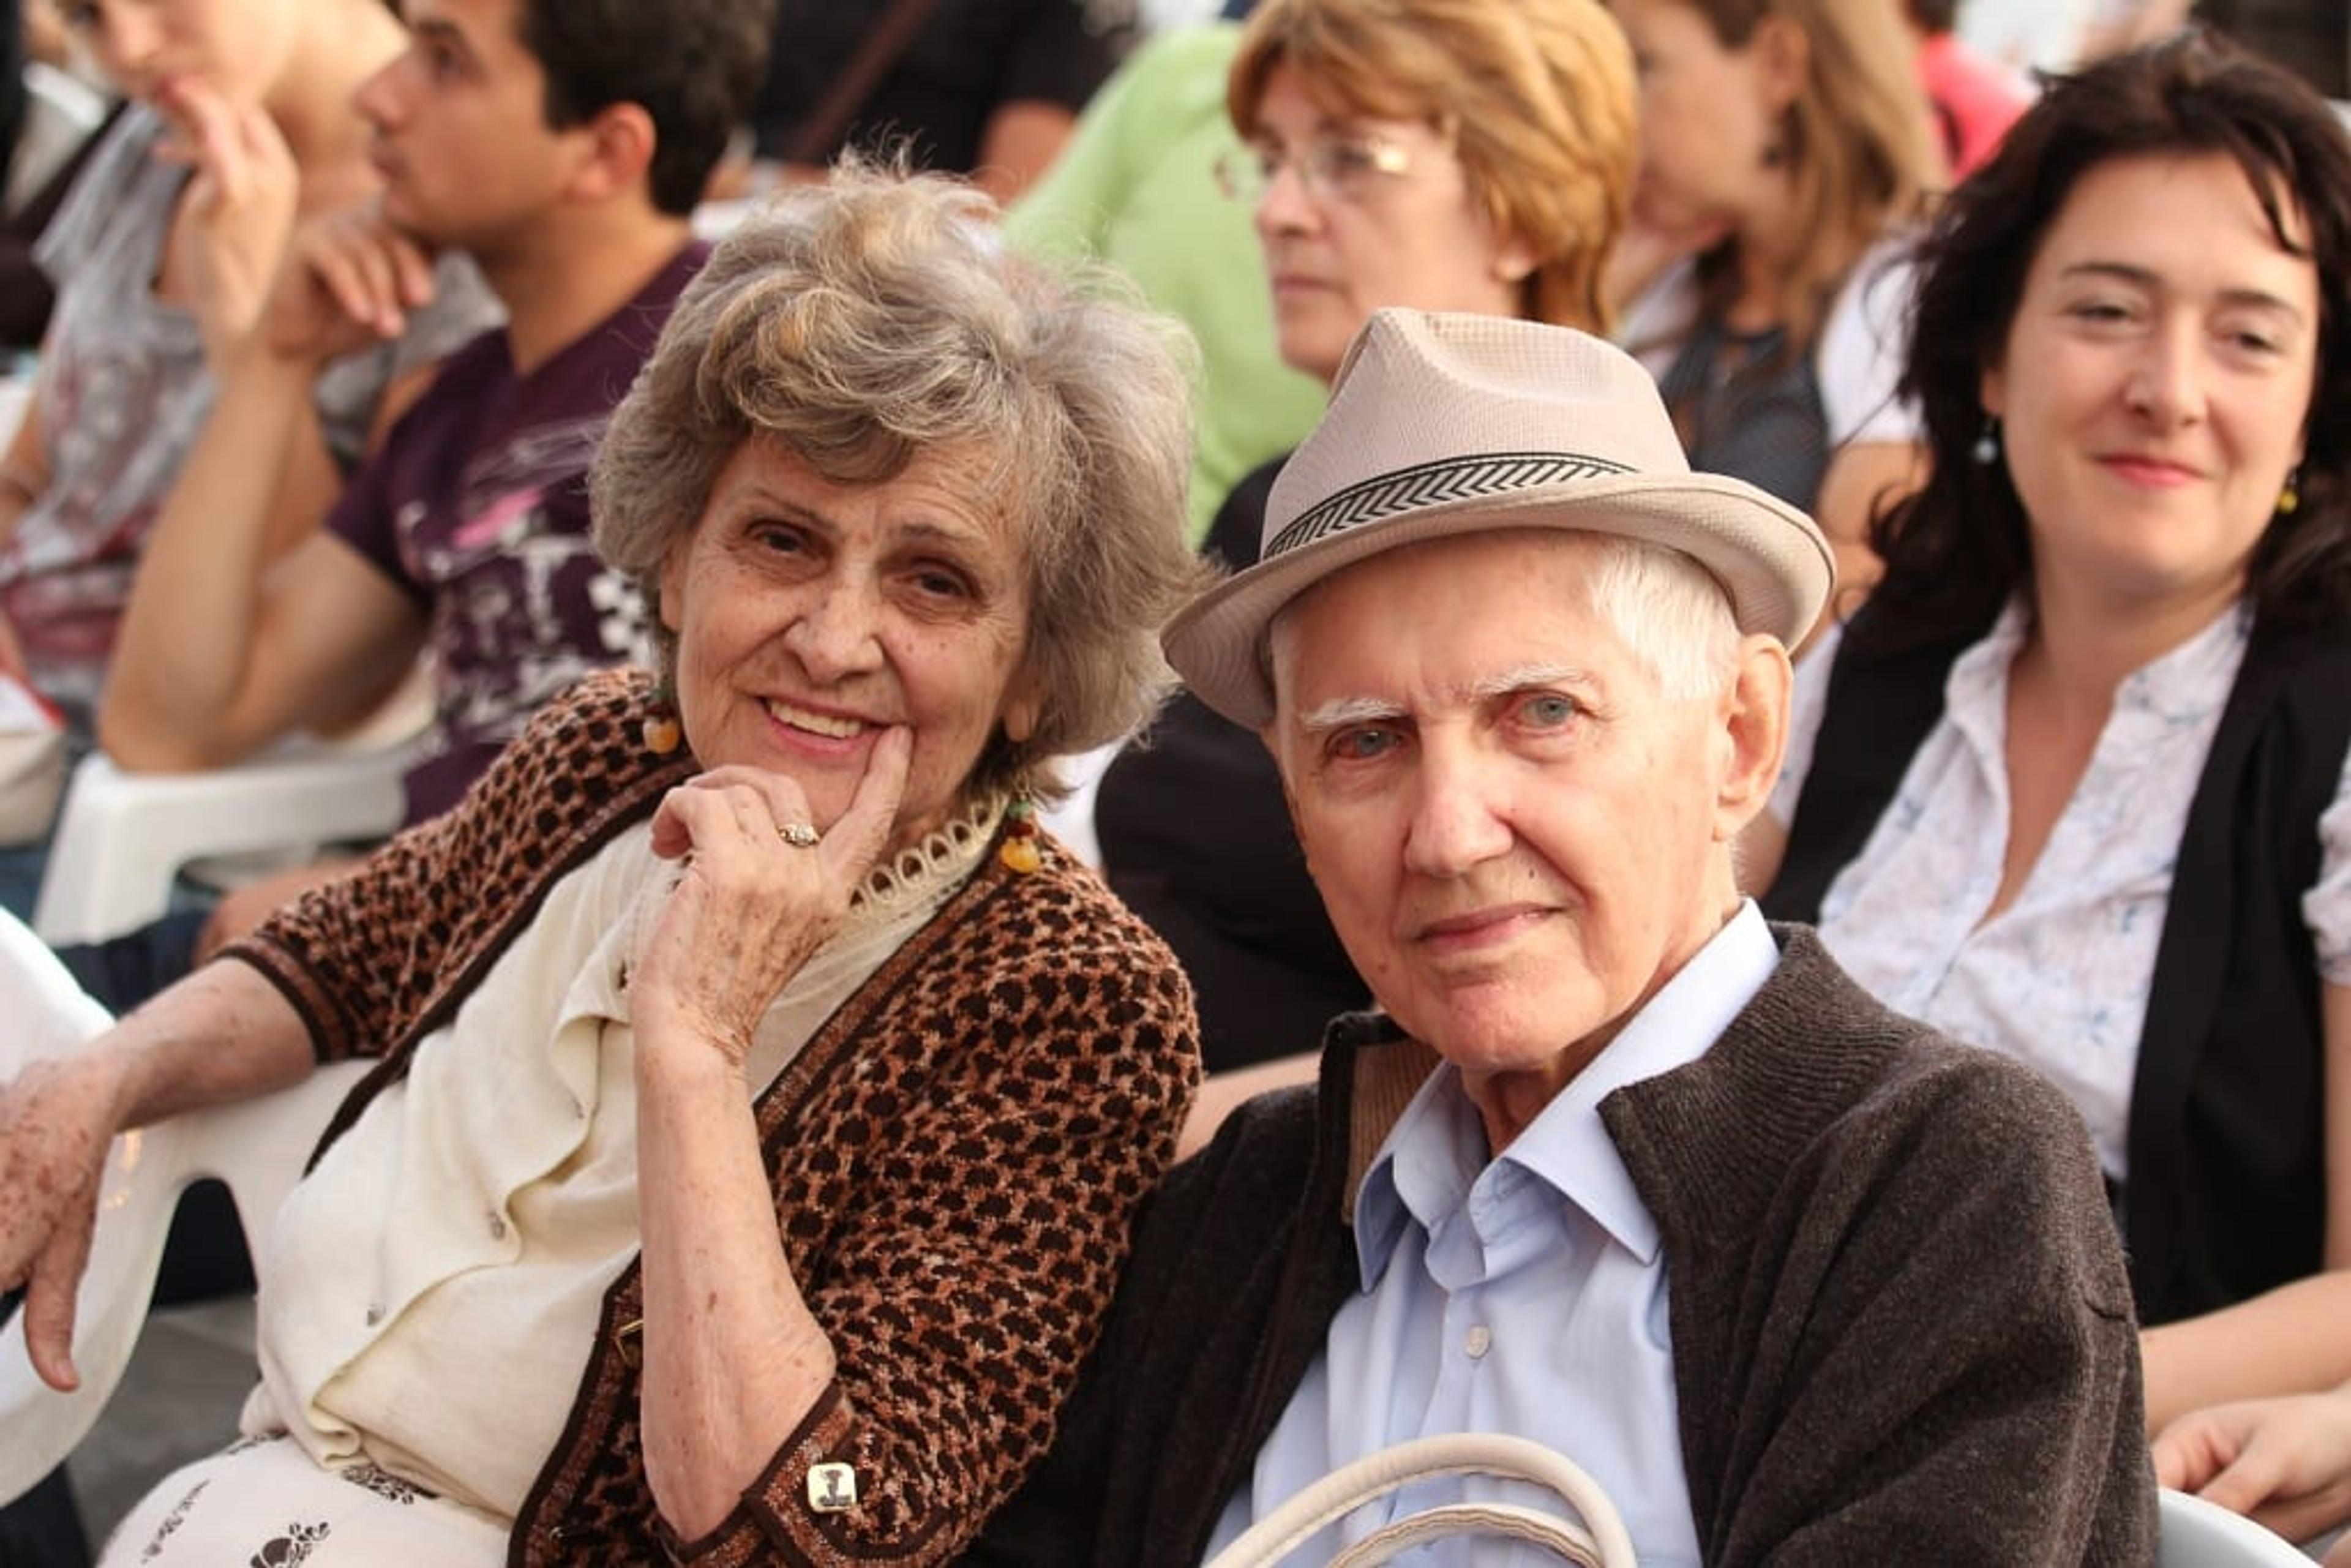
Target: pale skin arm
<point>2290,1340</point>
<point>317,642</point>
<point>734,1360</point>
<point>235,217</point>
<point>230,240</point>
<point>220,650</point>
<point>223,1034</point>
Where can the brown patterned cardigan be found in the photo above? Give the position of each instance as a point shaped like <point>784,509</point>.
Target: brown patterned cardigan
<point>956,1155</point>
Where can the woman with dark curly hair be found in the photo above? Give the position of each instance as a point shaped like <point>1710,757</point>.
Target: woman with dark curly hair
<point>2072,785</point>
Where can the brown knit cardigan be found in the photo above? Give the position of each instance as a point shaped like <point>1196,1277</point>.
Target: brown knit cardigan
<point>956,1155</point>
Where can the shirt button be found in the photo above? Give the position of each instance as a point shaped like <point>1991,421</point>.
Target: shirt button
<point>498,1226</point>
<point>374,1314</point>
<point>1477,1341</point>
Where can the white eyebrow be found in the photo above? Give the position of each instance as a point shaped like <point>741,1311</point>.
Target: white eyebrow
<point>1341,712</point>
<point>1344,711</point>
<point>1526,676</point>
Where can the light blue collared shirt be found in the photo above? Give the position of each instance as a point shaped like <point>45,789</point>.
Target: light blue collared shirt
<point>1522,1294</point>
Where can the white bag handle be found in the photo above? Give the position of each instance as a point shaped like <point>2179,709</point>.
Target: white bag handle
<point>1599,1543</point>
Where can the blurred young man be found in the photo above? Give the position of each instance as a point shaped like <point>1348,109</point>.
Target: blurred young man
<point>562,144</point>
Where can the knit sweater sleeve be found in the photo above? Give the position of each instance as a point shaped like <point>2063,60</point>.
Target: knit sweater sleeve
<point>369,958</point>
<point>989,1224</point>
<point>1191,1309</point>
<point>1944,1362</point>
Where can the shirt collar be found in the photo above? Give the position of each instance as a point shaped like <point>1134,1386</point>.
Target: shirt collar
<point>1437,1150</point>
<point>2171,689</point>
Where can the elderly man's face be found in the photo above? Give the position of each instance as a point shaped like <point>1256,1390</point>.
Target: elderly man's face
<point>1518,835</point>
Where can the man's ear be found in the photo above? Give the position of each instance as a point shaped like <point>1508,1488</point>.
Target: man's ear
<point>620,142</point>
<point>1753,732</point>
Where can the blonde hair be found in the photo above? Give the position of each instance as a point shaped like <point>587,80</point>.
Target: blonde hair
<point>878,318</point>
<point>1858,144</point>
<point>1538,98</point>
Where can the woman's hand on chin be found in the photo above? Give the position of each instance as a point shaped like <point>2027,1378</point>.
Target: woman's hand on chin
<point>748,905</point>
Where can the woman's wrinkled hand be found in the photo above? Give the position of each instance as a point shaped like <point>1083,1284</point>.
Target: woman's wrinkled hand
<point>747,907</point>
<point>56,1118</point>
<point>2286,1462</point>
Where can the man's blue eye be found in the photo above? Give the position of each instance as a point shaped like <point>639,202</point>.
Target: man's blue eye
<point>1549,710</point>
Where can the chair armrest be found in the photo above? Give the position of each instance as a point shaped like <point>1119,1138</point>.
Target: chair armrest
<point>2193,1534</point>
<point>257,1148</point>
<point>122,837</point>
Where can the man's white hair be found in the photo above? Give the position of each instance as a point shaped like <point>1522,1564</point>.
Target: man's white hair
<point>1670,610</point>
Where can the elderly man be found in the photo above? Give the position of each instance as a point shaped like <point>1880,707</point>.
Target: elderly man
<point>1615,1165</point>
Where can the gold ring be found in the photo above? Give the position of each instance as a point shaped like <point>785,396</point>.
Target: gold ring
<point>799,835</point>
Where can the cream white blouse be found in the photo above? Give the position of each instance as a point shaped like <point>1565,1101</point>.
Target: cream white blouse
<point>2060,979</point>
<point>430,1291</point>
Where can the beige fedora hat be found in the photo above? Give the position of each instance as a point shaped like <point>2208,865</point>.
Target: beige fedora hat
<point>1443,425</point>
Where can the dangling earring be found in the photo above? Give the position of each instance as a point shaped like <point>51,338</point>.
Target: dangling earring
<point>1020,850</point>
<point>661,730</point>
<point>2290,498</point>
<point>1986,451</point>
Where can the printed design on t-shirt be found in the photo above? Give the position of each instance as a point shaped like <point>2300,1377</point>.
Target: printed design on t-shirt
<point>521,606</point>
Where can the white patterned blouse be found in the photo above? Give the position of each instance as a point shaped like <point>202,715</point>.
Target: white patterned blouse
<point>2060,979</point>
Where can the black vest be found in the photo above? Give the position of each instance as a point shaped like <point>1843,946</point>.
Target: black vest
<point>2227,1194</point>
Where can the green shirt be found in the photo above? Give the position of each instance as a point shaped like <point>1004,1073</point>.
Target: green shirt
<point>1136,186</point>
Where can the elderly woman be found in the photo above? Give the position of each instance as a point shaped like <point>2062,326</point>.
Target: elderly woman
<point>762,1100</point>
<point>1443,154</point>
<point>2072,787</point>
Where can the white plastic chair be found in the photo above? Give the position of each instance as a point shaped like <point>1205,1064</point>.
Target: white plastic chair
<point>2199,1534</point>
<point>121,838</point>
<point>257,1148</point>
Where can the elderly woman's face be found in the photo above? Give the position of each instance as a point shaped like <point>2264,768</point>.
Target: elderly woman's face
<point>1358,213</point>
<point>1518,833</point>
<point>811,616</point>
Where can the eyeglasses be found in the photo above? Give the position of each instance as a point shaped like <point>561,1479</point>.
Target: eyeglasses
<point>1332,168</point>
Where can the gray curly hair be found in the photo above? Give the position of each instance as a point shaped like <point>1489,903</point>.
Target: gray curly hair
<point>879,317</point>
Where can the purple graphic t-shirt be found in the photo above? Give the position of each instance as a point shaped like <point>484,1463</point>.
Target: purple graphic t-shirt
<point>477,507</point>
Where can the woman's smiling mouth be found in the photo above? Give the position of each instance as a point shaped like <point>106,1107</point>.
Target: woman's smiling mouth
<point>832,726</point>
